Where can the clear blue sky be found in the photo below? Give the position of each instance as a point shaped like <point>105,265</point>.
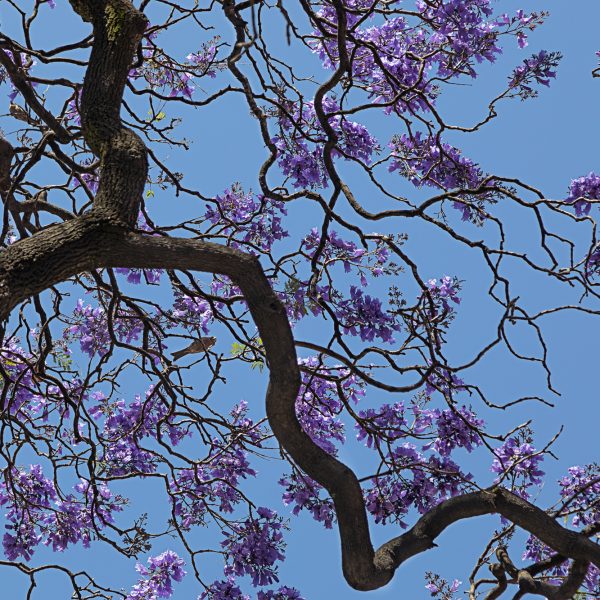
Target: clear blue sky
<point>546,142</point>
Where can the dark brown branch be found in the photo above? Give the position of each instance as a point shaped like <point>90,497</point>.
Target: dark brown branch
<point>20,81</point>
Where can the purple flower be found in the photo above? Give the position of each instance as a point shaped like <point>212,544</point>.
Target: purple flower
<point>431,162</point>
<point>246,221</point>
<point>304,493</point>
<point>539,68</point>
<point>90,327</point>
<point>254,546</point>
<point>522,460</point>
<point>225,589</point>
<point>301,140</point>
<point>159,575</point>
<point>582,190</point>
<point>364,316</point>
<point>36,512</point>
<point>581,488</point>
<point>283,593</point>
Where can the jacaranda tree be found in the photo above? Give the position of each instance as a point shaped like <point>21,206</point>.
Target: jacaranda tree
<point>104,284</point>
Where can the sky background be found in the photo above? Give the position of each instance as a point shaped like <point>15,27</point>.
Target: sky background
<point>545,141</point>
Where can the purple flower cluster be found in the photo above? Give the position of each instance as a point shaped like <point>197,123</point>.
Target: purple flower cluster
<point>247,221</point>
<point>301,299</point>
<point>582,190</point>
<point>442,291</point>
<point>254,546</point>
<point>90,327</point>
<point>456,428</point>
<point>581,488</point>
<point>224,589</point>
<point>439,587</point>
<point>428,161</point>
<point>301,139</point>
<point>465,28</point>
<point>445,382</point>
<point>282,593</point>
<point>540,68</point>
<point>384,425</point>
<point>521,460</point>
<point>163,74</point>
<point>211,485</point>
<point>204,60</point>
<point>319,401</point>
<point>227,589</point>
<point>415,480</point>
<point>390,497</point>
<point>335,249</point>
<point>431,162</point>
<point>318,405</point>
<point>194,314</point>
<point>305,493</point>
<point>37,513</point>
<point>363,315</point>
<point>159,575</point>
<point>536,551</point>
<point>151,276</point>
<point>126,425</point>
<point>395,61</point>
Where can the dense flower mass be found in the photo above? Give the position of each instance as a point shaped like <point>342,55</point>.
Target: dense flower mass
<point>225,589</point>
<point>301,142</point>
<point>37,513</point>
<point>456,428</point>
<point>423,484</point>
<point>536,551</point>
<point>364,315</point>
<point>92,328</point>
<point>246,221</point>
<point>427,161</point>
<point>212,485</point>
<point>581,490</point>
<point>518,461</point>
<point>158,577</point>
<point>582,190</point>
<point>254,546</point>
<point>126,425</point>
<point>321,399</point>
<point>193,313</point>
<point>304,493</point>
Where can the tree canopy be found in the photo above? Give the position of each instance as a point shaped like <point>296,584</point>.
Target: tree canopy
<point>139,305</point>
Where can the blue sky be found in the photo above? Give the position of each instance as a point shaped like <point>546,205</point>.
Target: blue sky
<point>545,141</point>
